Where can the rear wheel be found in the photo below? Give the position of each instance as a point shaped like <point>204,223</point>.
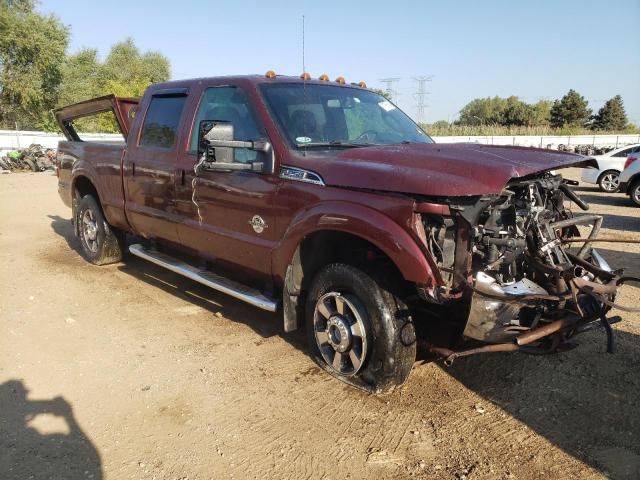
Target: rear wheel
<point>359,331</point>
<point>634,192</point>
<point>609,181</point>
<point>100,243</point>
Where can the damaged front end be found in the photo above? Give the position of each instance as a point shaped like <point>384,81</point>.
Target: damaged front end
<point>509,257</point>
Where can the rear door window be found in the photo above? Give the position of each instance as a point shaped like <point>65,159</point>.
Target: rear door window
<point>160,128</point>
<point>623,153</point>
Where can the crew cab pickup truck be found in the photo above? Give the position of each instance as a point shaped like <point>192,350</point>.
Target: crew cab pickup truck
<point>324,202</point>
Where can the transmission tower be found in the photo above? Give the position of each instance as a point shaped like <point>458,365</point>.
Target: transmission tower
<point>392,92</point>
<point>421,96</point>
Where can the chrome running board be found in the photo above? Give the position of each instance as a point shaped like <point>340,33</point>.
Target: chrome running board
<point>205,277</point>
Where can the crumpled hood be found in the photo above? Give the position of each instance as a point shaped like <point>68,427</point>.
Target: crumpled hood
<point>434,169</point>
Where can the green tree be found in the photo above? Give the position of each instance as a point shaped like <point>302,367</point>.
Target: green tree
<point>80,77</point>
<point>124,73</point>
<point>572,110</point>
<point>542,112</point>
<point>130,73</point>
<point>31,46</point>
<point>516,113</point>
<point>611,116</point>
<point>383,93</point>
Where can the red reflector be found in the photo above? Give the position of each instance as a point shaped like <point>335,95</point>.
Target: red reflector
<point>629,161</point>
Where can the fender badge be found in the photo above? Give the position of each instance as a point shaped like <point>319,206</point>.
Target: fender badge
<point>258,224</point>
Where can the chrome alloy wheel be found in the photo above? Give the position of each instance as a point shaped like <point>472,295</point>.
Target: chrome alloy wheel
<point>340,333</point>
<point>90,230</point>
<point>635,193</point>
<point>610,182</point>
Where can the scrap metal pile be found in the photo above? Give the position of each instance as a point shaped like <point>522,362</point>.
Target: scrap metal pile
<point>34,158</point>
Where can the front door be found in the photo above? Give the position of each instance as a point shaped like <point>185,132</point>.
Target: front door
<point>229,216</point>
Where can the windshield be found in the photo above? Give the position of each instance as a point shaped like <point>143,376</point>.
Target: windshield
<point>327,115</point>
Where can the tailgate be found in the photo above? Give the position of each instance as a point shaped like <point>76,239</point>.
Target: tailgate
<point>122,108</point>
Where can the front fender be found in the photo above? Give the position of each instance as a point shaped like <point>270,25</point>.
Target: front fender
<point>363,222</point>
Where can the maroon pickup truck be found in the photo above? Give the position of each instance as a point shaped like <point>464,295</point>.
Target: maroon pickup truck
<point>323,201</point>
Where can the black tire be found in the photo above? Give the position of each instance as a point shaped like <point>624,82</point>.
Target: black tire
<point>634,192</point>
<point>100,243</point>
<point>608,181</point>
<point>387,346</point>
<point>32,164</point>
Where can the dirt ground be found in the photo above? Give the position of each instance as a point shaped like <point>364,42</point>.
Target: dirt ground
<point>130,371</point>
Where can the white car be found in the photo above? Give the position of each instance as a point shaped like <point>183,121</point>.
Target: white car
<point>610,165</point>
<point>630,179</point>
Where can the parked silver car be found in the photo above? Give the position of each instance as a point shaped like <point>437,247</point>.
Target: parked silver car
<point>610,165</point>
<point>630,178</point>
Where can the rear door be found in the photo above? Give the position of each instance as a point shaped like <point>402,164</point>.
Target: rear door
<point>149,166</point>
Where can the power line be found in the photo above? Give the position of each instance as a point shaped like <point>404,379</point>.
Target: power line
<point>421,96</point>
<point>392,92</point>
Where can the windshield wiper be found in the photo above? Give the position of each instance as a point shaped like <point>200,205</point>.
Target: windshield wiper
<point>336,143</point>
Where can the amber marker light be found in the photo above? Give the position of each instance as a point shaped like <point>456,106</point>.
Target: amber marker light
<point>340,80</point>
<point>362,84</point>
<point>270,74</point>
<point>324,77</point>
<point>305,76</point>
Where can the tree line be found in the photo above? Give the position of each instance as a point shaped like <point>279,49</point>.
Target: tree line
<point>572,110</point>
<point>37,74</point>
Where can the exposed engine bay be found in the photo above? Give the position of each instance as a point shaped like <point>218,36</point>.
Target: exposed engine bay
<point>527,287</point>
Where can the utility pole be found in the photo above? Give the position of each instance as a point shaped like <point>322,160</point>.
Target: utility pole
<point>421,95</point>
<point>392,92</point>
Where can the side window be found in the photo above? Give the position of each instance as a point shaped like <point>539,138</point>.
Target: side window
<point>228,104</point>
<point>623,153</point>
<point>160,128</point>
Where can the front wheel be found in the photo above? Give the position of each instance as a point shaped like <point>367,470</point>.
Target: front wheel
<point>634,192</point>
<point>358,331</point>
<point>609,181</point>
<point>99,241</point>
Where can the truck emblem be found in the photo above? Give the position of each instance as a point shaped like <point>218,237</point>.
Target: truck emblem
<point>258,224</point>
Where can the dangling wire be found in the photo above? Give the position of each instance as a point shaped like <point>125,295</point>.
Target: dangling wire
<point>196,167</point>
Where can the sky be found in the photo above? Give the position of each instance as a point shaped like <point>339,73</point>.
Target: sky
<point>532,49</point>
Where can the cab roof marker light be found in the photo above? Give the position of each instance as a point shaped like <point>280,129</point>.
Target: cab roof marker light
<point>270,74</point>
<point>340,80</point>
<point>362,84</point>
<point>324,77</point>
<point>305,76</point>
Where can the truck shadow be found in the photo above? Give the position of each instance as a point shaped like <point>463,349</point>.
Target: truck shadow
<point>265,324</point>
<point>28,453</point>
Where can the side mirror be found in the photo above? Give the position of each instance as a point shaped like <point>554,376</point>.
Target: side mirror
<point>216,148</point>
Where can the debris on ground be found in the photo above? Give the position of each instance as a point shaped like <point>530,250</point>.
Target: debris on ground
<point>34,158</point>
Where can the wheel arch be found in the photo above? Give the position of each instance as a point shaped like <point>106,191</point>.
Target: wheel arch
<point>82,185</point>
<point>361,237</point>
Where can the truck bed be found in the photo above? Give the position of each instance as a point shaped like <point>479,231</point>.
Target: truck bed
<point>94,160</point>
